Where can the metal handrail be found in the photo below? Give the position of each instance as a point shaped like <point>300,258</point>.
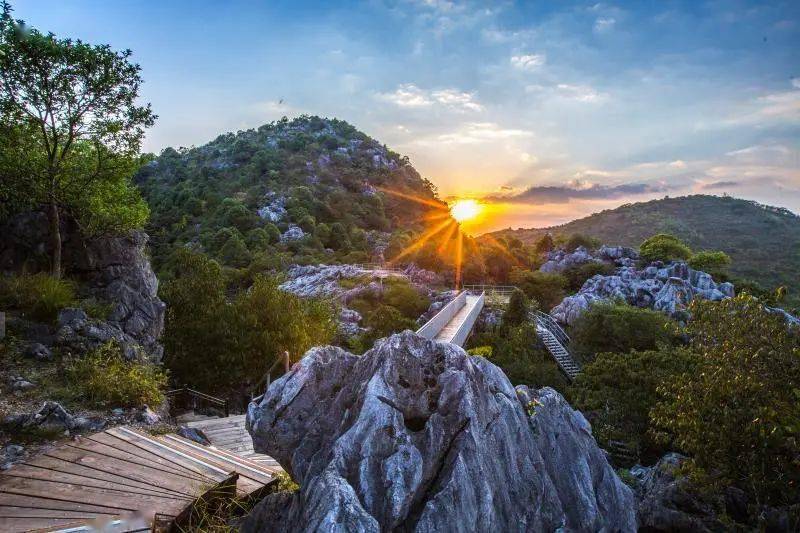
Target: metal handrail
<point>267,377</point>
<point>548,322</point>
<point>186,390</point>
<point>500,289</point>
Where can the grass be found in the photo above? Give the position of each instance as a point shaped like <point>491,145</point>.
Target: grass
<point>38,296</point>
<point>104,378</point>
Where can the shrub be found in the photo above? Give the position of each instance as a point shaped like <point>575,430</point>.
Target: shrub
<point>94,308</point>
<point>737,414</point>
<point>545,244</point>
<point>482,351</point>
<point>714,263</point>
<point>576,276</point>
<point>524,360</point>
<point>517,311</point>
<point>576,240</point>
<point>408,300</point>
<point>105,378</point>
<point>619,328</point>
<point>618,390</point>
<point>546,289</point>
<point>664,247</point>
<point>39,295</point>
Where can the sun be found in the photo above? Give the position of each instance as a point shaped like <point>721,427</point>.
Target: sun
<point>465,209</point>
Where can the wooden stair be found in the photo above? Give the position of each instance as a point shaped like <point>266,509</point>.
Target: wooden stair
<point>229,434</point>
<point>121,474</point>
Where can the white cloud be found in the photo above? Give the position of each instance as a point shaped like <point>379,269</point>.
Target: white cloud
<point>409,95</point>
<point>528,62</point>
<point>604,24</point>
<point>581,93</point>
<point>480,132</point>
<point>678,163</point>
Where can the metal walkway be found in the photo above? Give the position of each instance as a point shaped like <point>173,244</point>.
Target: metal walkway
<point>454,322</point>
<point>555,339</point>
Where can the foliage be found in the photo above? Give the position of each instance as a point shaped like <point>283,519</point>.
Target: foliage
<point>546,289</point>
<point>406,298</point>
<point>663,247</point>
<point>95,308</point>
<point>737,414</point>
<point>619,328</point>
<point>106,379</point>
<point>482,351</point>
<point>70,130</point>
<point>577,240</point>
<point>618,390</point>
<point>39,295</point>
<point>714,263</point>
<point>758,238</point>
<point>545,244</point>
<point>577,275</point>
<point>517,311</point>
<point>221,345</point>
<point>518,353</point>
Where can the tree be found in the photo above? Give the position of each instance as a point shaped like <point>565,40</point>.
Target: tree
<point>545,244</point>
<point>664,247</point>
<point>524,360</point>
<point>617,391</point>
<point>737,415</point>
<point>578,239</point>
<point>619,328</point>
<point>71,129</point>
<point>546,289</point>
<point>517,311</point>
<point>714,263</point>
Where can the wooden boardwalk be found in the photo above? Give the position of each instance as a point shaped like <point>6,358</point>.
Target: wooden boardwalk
<point>229,434</point>
<point>120,474</point>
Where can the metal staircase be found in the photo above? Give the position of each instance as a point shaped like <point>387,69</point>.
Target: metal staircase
<point>555,339</point>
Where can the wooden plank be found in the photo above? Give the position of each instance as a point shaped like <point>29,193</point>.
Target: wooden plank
<point>243,466</point>
<point>14,524</point>
<point>113,499</point>
<point>119,473</point>
<point>111,445</point>
<point>52,476</point>
<point>45,501</point>
<point>129,471</point>
<point>147,443</point>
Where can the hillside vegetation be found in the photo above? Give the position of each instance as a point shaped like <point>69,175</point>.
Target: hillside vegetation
<point>762,241</point>
<point>301,191</point>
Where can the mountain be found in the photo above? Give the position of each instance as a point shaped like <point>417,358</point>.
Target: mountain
<point>762,241</point>
<point>308,190</point>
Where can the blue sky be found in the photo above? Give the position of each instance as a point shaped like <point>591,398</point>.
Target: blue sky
<point>548,110</point>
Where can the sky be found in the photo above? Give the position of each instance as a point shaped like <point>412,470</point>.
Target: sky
<point>544,111</point>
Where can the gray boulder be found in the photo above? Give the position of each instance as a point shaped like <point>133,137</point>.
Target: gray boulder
<point>52,417</point>
<point>560,260</point>
<point>38,351</point>
<point>418,436</point>
<point>79,334</point>
<point>10,454</point>
<point>668,288</point>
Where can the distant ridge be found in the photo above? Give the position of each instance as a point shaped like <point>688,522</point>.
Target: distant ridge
<point>763,241</point>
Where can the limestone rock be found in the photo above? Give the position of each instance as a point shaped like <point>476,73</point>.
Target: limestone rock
<point>79,334</point>
<point>39,351</point>
<point>668,288</point>
<point>147,416</point>
<point>416,435</point>
<point>560,260</point>
<point>294,233</point>
<point>11,454</point>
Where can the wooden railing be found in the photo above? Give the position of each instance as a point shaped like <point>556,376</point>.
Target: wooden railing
<point>195,395</point>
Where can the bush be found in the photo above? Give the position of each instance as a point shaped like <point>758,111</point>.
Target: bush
<point>408,300</point>
<point>517,311</point>
<point>546,289</point>
<point>94,308</point>
<point>481,351</point>
<point>519,354</point>
<point>737,415</point>
<point>576,276</point>
<point>663,247</point>
<point>576,240</point>
<point>106,379</point>
<point>619,328</point>
<point>618,390</point>
<point>39,295</point>
<point>545,244</point>
<point>714,263</point>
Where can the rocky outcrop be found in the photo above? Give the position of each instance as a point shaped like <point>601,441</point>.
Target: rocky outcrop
<point>78,334</point>
<point>668,288</point>
<point>418,436</point>
<point>52,417</point>
<point>114,269</point>
<point>560,260</point>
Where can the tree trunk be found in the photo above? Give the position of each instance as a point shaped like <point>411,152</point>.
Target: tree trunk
<point>55,240</point>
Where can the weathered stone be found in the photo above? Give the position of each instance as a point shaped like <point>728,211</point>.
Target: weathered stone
<point>20,384</point>
<point>559,260</point>
<point>147,416</point>
<point>39,351</point>
<point>416,435</point>
<point>11,454</point>
<point>294,233</point>
<point>193,434</point>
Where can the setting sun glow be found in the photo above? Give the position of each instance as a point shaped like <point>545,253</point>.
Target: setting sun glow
<point>463,210</point>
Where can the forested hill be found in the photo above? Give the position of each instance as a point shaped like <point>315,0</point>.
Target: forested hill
<point>763,241</point>
<point>300,191</point>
